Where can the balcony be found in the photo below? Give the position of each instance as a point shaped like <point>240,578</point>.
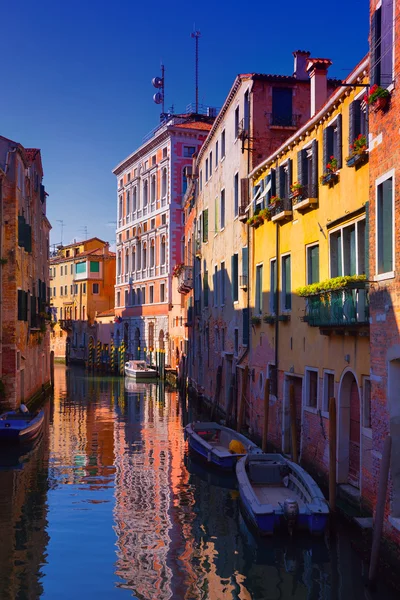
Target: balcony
<point>281,210</point>
<point>185,280</point>
<point>305,197</point>
<point>342,309</point>
<point>65,323</point>
<point>287,121</point>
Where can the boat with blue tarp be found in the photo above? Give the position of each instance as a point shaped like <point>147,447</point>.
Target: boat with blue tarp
<point>19,426</point>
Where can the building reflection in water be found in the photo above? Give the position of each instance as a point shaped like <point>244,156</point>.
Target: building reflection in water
<point>109,504</point>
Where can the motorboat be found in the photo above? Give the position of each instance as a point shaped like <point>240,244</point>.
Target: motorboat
<point>275,492</point>
<point>18,426</point>
<point>218,444</point>
<point>139,370</point>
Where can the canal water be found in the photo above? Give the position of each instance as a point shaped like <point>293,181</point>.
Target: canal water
<point>107,504</point>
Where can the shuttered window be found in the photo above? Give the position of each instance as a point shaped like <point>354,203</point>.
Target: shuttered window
<point>385,226</point>
<point>222,216</point>
<point>245,336</point>
<point>94,266</point>
<point>333,143</point>
<point>205,289</point>
<point>22,305</point>
<point>205,225</point>
<point>358,122</point>
<point>286,283</point>
<point>235,273</point>
<point>259,289</point>
<point>382,45</point>
<point>313,264</point>
<point>236,195</point>
<point>272,287</point>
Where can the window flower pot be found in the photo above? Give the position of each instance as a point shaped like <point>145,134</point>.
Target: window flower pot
<point>357,159</point>
<point>329,179</point>
<point>269,319</point>
<point>256,321</point>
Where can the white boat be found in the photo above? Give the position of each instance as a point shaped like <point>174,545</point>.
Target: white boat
<point>139,370</point>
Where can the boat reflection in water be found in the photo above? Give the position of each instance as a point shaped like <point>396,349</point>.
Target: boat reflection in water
<point>109,505</point>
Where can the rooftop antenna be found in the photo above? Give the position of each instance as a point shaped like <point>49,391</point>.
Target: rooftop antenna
<point>196,34</point>
<point>85,230</point>
<point>159,83</point>
<point>62,229</point>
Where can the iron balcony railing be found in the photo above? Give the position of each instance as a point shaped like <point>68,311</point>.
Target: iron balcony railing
<point>282,205</point>
<point>307,190</point>
<point>185,280</point>
<point>346,307</point>
<point>283,120</point>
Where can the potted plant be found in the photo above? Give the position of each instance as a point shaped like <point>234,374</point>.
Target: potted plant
<point>255,320</point>
<point>178,268</point>
<point>358,151</point>
<point>330,175</point>
<point>296,189</point>
<point>265,214</point>
<point>377,97</point>
<point>269,319</point>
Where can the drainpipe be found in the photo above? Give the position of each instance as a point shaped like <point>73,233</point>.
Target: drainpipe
<point>277,270</point>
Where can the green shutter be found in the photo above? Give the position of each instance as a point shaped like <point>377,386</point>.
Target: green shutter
<point>205,225</point>
<point>385,226</point>
<point>235,283</point>
<point>286,280</point>
<point>245,259</point>
<point>94,266</point>
<point>245,316</point>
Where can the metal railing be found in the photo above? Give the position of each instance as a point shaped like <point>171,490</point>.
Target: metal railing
<point>339,308</point>
<point>306,191</point>
<point>282,205</point>
<point>283,120</point>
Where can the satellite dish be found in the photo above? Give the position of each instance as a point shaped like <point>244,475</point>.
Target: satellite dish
<point>157,82</point>
<point>158,98</point>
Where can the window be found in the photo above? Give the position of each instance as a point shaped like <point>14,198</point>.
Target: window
<point>162,292</point>
<point>348,250</point>
<point>184,181</point>
<point>94,266</point>
<point>146,165</point>
<point>84,288</point>
<point>283,179</point>
<point>153,189</point>
<point>80,267</point>
<point>286,283</point>
<point>71,290</point>
<point>216,153</point>
<point>145,193</point>
<point>311,388</point>
<point>236,342</point>
<point>329,389</point>
<point>259,289</point>
<point>121,183</point>
<point>307,167</point>
<point>272,286</point>
<point>223,279</point>
<point>54,292</point>
<point>164,152</point>
<point>205,225</point>
<point>222,215</point>
<point>129,177</point>
<point>95,288</point>
<point>152,253</point>
<point>223,144</point>
<point>72,269</point>
<point>382,45</point>
<point>201,180</point>
<point>61,291</point>
<point>143,295</point>
<point>118,298</point>
<point>162,251</point>
<point>151,294</point>
<point>128,203</point>
<point>65,290</point>
<point>188,151</point>
<point>127,260</point>
<point>210,163</point>
<point>282,112</point>
<point>333,142</point>
<point>235,278</point>
<point>62,271</point>
<point>164,183</point>
<point>205,289</point>
<point>120,208</point>
<point>236,122</point>
<point>358,121</point>
<point>126,298</point>
<point>144,257</point>
<point>154,160</point>
<point>215,285</point>
<point>206,169</point>
<point>384,230</point>
<point>236,195</point>
<point>163,219</point>
<point>367,403</point>
<point>313,264</point>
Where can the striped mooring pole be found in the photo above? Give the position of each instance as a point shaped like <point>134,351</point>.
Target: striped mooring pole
<point>98,355</point>
<point>122,357</point>
<point>112,358</point>
<point>90,357</point>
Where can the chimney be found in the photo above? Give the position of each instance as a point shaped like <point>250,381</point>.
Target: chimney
<point>300,63</point>
<point>318,69</point>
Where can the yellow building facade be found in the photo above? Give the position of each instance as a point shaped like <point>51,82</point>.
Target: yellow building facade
<point>309,296</point>
<point>82,280</point>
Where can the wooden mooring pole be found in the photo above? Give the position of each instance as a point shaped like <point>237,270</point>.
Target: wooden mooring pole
<point>380,509</point>
<point>52,369</point>
<point>293,429</point>
<point>332,454</point>
<point>266,416</point>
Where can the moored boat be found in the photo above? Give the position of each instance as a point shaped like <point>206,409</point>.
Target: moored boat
<point>18,427</point>
<point>275,492</point>
<point>217,444</point>
<point>139,370</point>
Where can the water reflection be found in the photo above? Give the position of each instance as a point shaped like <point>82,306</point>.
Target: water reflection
<point>108,504</point>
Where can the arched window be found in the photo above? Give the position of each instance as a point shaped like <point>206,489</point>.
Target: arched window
<point>61,313</point>
<point>139,256</point>
<point>119,265</point>
<point>145,193</point>
<point>184,181</point>
<point>128,203</point>
<point>152,253</point>
<point>153,189</point>
<point>162,253</point>
<point>164,183</point>
<point>134,199</point>
<point>133,260</point>
<point>120,208</point>
<point>133,297</point>
<point>127,260</point>
<point>144,258</point>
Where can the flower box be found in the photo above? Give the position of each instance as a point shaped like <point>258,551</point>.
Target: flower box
<point>284,318</point>
<point>256,320</point>
<point>329,179</point>
<point>378,97</point>
<point>357,159</point>
<point>269,319</point>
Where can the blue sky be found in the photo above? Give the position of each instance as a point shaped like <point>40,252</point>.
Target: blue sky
<point>76,78</point>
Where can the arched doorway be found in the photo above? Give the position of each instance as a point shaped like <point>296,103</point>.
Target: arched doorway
<point>348,469</point>
<point>161,343</point>
<point>151,337</point>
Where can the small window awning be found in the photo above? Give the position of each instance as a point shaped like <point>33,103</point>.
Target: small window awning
<point>254,200</point>
<point>265,192</point>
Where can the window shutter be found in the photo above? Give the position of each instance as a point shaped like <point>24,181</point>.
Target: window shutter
<point>273,182</point>
<point>300,166</point>
<point>245,255</point>
<point>375,66</point>
<point>314,172</point>
<point>245,316</point>
<point>21,231</point>
<point>386,53</point>
<point>205,225</point>
<point>290,173</point>
<point>326,149</point>
<point>277,182</point>
<point>354,121</point>
<point>367,240</point>
<point>244,192</point>
<point>339,141</point>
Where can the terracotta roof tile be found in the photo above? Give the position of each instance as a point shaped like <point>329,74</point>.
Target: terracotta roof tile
<point>194,125</point>
<point>106,313</point>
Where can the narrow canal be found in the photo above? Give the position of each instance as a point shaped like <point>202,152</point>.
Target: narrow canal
<point>107,504</point>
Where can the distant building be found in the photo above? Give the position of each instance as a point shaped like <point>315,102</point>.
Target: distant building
<point>151,183</point>
<point>82,278</point>
<point>24,277</point>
